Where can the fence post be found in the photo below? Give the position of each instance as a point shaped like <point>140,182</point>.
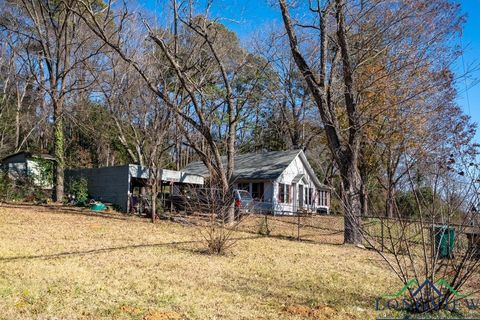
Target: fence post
<point>267,231</point>
<point>298,226</point>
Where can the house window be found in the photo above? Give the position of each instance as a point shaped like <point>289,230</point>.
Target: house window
<point>257,190</point>
<point>323,198</point>
<point>308,196</point>
<point>320,198</point>
<point>283,193</point>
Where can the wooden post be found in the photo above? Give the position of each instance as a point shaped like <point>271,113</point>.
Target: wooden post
<point>162,196</point>
<point>171,193</point>
<point>266,224</point>
<point>298,227</point>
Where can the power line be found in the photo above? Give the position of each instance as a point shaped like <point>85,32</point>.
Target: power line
<point>465,77</point>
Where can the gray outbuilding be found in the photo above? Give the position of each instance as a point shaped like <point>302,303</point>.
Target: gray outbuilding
<point>116,184</point>
<point>38,167</point>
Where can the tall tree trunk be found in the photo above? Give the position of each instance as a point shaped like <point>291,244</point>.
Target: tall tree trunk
<point>231,158</point>
<point>389,204</point>
<point>21,92</point>
<point>351,191</point>
<point>58,145</point>
<point>17,124</point>
<point>153,208</point>
<point>344,151</point>
<point>350,167</point>
<point>364,197</point>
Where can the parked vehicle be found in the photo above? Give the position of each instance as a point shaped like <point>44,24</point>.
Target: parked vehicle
<point>243,201</point>
<point>205,199</point>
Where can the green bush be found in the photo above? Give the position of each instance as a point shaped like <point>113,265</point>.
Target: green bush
<point>21,189</point>
<point>6,187</point>
<point>79,188</point>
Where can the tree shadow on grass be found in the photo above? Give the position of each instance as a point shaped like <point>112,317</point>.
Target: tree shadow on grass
<point>109,249</point>
<point>135,218</point>
<point>303,238</point>
<point>73,211</point>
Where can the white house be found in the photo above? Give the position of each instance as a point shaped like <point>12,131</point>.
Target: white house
<point>283,182</point>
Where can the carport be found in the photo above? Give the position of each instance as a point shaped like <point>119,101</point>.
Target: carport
<point>116,184</point>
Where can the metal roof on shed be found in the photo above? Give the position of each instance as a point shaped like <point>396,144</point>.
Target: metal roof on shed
<point>29,155</point>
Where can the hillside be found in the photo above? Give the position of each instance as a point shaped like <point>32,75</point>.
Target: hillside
<point>74,265</point>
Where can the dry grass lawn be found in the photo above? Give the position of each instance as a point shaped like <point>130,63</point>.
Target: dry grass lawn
<point>66,264</point>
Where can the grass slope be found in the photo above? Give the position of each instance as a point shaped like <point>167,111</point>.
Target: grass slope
<point>74,265</point>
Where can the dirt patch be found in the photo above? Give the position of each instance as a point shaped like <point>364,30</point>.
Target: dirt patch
<point>321,312</point>
<point>163,315</point>
<point>131,310</point>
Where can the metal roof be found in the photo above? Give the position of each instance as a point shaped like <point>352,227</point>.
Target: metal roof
<point>138,171</point>
<point>264,165</point>
<point>257,166</point>
<point>28,154</point>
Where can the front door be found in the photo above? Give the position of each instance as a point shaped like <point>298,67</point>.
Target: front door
<point>300,196</point>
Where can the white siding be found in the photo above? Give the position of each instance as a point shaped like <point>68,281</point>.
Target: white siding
<point>297,167</point>
<point>39,176</point>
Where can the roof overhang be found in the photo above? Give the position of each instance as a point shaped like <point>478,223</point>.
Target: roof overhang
<point>298,177</point>
<point>30,155</point>
<point>142,172</point>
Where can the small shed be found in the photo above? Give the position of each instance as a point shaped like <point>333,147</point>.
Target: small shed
<point>116,184</point>
<point>38,167</point>
<point>473,237</point>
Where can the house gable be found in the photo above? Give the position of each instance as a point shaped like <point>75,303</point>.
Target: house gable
<point>300,171</point>
<point>298,188</point>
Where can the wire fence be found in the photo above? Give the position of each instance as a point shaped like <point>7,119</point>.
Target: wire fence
<point>381,233</point>
<point>309,227</point>
<point>302,227</point>
<point>385,233</point>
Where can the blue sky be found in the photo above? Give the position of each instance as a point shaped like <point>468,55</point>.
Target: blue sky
<point>471,44</point>
<point>246,16</point>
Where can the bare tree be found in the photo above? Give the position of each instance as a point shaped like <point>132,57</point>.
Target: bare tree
<point>289,109</point>
<point>345,151</point>
<point>439,243</point>
<point>355,58</point>
<point>207,77</point>
<point>208,209</point>
<point>56,44</point>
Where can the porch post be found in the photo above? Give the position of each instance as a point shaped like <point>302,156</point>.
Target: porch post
<point>294,197</point>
